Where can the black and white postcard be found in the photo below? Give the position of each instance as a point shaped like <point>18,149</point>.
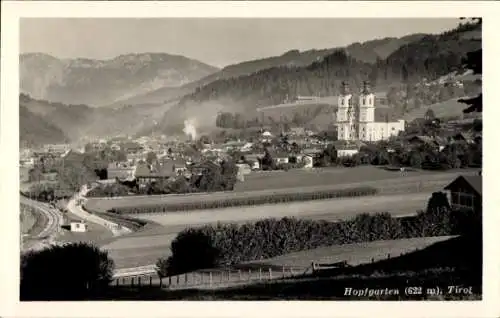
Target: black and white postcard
<point>182,152</point>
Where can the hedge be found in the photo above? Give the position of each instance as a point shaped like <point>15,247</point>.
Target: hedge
<point>237,202</point>
<point>230,244</point>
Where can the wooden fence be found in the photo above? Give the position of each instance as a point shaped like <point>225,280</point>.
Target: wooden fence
<point>212,278</point>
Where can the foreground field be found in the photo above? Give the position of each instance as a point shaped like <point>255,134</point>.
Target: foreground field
<point>387,182</point>
<point>354,254</point>
<point>144,247</point>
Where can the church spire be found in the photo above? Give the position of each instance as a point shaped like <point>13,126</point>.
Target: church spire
<point>345,88</point>
<point>366,87</point>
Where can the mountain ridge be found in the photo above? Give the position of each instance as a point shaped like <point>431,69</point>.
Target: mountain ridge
<point>367,51</point>
<point>102,82</point>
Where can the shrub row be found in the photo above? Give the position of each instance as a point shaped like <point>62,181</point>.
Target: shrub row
<point>236,202</point>
<point>228,244</point>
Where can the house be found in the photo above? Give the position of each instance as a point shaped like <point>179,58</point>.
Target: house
<point>78,227</point>
<point>464,137</point>
<point>202,168</point>
<point>280,157</point>
<point>177,166</point>
<point>120,170</point>
<point>145,174</point>
<point>266,137</point>
<point>115,147</point>
<point>347,152</point>
<point>466,192</point>
<point>134,158</point>
<point>308,161</point>
<point>437,143</point>
<point>244,168</point>
<point>297,131</point>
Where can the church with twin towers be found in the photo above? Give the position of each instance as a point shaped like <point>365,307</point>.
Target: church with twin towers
<point>365,117</point>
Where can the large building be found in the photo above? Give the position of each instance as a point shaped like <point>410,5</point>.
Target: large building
<point>360,119</point>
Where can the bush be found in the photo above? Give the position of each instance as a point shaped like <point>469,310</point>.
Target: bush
<point>109,190</point>
<point>229,244</point>
<point>71,272</point>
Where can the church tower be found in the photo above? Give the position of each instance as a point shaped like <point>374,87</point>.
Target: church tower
<point>344,113</point>
<point>366,104</point>
<point>366,112</point>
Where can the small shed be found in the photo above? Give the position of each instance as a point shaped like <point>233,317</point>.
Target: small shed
<point>78,226</point>
<point>466,192</point>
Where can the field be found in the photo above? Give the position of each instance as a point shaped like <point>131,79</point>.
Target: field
<point>296,181</point>
<point>96,233</point>
<point>354,254</point>
<point>144,247</point>
<point>449,108</point>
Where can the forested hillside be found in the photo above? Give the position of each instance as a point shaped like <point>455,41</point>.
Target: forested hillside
<point>428,57</point>
<point>47,122</point>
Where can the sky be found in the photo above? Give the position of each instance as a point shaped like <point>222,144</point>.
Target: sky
<point>216,41</point>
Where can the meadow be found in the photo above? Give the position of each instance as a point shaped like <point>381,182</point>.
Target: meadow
<point>294,182</point>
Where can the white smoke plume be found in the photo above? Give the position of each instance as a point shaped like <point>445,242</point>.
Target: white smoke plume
<point>190,128</point>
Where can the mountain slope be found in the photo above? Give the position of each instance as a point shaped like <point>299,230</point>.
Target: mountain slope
<point>369,51</point>
<point>429,56</point>
<point>103,82</point>
<point>34,130</point>
<point>56,122</point>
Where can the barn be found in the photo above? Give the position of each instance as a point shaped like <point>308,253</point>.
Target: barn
<point>466,193</point>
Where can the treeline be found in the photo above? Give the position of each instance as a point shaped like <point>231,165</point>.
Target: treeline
<point>230,244</point>
<point>249,201</point>
<point>430,57</point>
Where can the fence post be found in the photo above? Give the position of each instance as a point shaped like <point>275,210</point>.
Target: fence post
<point>132,281</point>
<point>260,273</point>
<point>270,273</point>
<point>283,271</point>
<point>169,280</point>
<point>388,255</point>
<point>291,272</point>
<point>221,276</point>
<point>210,279</point>
<point>249,274</point>
<point>139,281</point>
<point>239,275</point>
<point>313,267</point>
<point>178,279</point>
<point>373,260</point>
<point>150,281</point>
<point>185,278</point>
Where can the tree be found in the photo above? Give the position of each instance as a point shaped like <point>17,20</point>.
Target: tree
<point>192,249</point>
<point>75,271</point>
<point>474,61</point>
<point>151,157</point>
<point>229,173</point>
<point>267,161</point>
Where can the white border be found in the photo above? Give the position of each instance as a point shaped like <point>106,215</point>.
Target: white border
<point>9,225</point>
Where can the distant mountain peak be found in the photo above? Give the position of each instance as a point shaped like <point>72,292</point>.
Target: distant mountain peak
<point>103,82</point>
